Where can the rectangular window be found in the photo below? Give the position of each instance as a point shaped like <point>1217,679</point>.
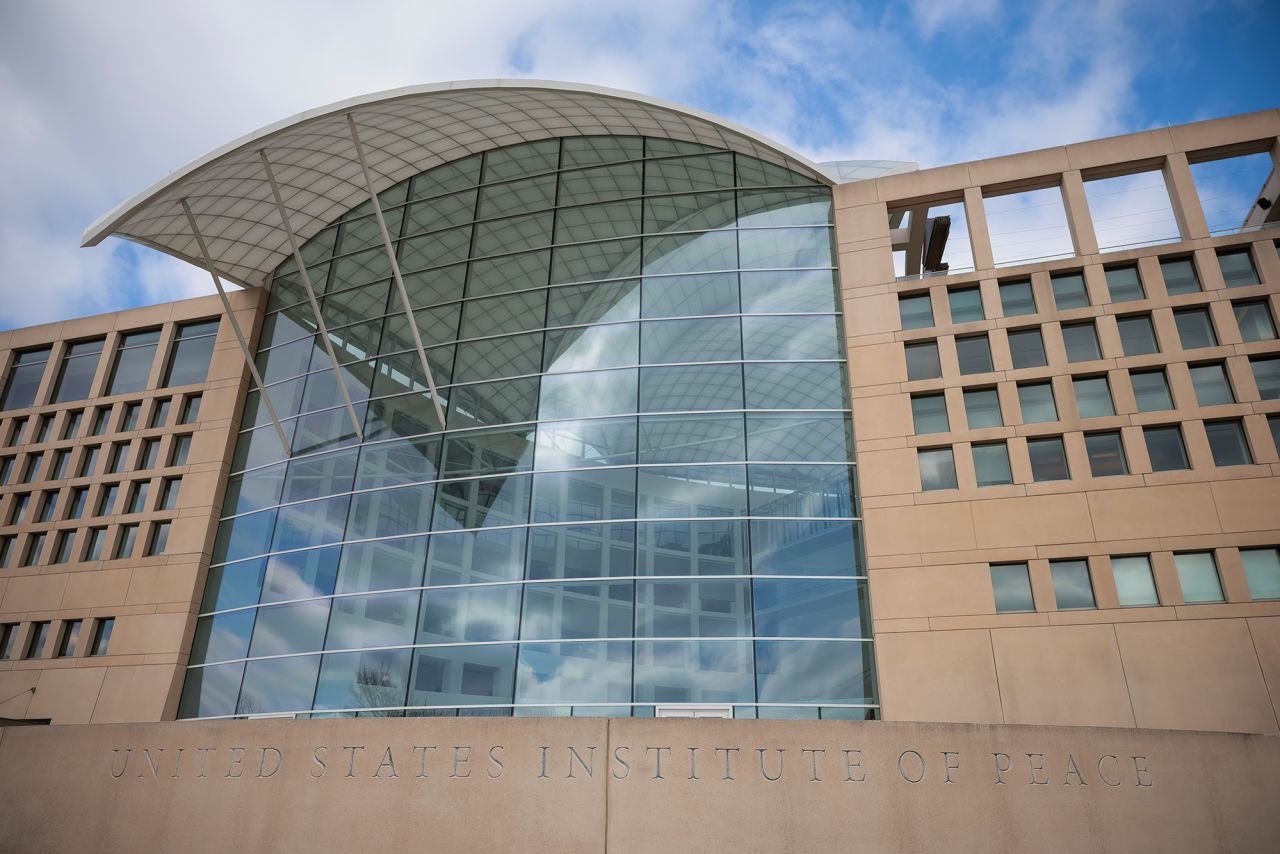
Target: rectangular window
<point>8,638</point>
<point>129,422</point>
<point>1093,397</point>
<point>79,364</point>
<point>922,361</point>
<point>1237,268</point>
<point>1195,329</point>
<point>48,503</point>
<point>189,362</point>
<point>190,410</point>
<point>1026,348</point>
<point>1106,454</point>
<point>1273,421</point>
<point>929,412</point>
<point>1017,298</point>
<point>1125,284</point>
<point>937,468</point>
<point>181,450</point>
<point>75,506</point>
<point>150,455</point>
<point>1266,376</point>
<point>35,545</point>
<point>160,414</point>
<point>116,459</point>
<point>138,497</point>
<point>1180,276</point>
<point>1165,448</point>
<point>1037,403</point>
<point>1198,575</point>
<point>1151,390</point>
<point>62,547</point>
<point>43,425</point>
<point>127,540</point>
<point>31,469</point>
<point>107,499</point>
<point>1011,584</point>
<point>1227,443</point>
<point>1135,585</point>
<point>134,357</point>
<point>1254,319</point>
<point>974,354</point>
<point>102,635</point>
<point>18,510</point>
<point>6,548</point>
<point>169,493</point>
<point>67,641</point>
<point>100,416</point>
<point>915,310</point>
<point>159,539</point>
<point>1081,341</point>
<point>1137,335</point>
<point>94,542</point>
<point>6,468</point>
<point>1072,587</point>
<point>1262,572</point>
<point>982,408</point>
<point>991,464</point>
<point>24,379</point>
<point>60,461</point>
<point>19,426</point>
<point>1211,384</point>
<point>1069,291</point>
<point>966,305</point>
<point>1048,459</point>
<point>35,644</point>
<point>71,426</point>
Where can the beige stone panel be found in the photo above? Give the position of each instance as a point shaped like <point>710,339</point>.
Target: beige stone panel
<point>34,593</point>
<point>938,676</point>
<point>1201,674</point>
<point>862,222</point>
<point>869,315</point>
<point>932,591</point>
<point>1248,505</point>
<point>1061,675</point>
<point>189,535</point>
<point>15,692</point>
<point>908,530</point>
<point>888,472</point>
<point>877,364</point>
<point>149,633</point>
<point>1119,149</point>
<point>882,417</point>
<point>135,692</point>
<point>96,589</point>
<point>1153,511</point>
<point>865,267</point>
<point>1265,632</point>
<point>67,696</point>
<point>1031,520</point>
<point>1245,127</point>
<point>854,193</point>
<point>165,583</point>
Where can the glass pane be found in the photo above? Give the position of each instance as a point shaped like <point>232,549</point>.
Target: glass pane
<point>1069,291</point>
<point>705,547</point>
<point>1137,335</point>
<point>278,685</point>
<point>311,524</point>
<point>815,385</point>
<point>299,575</point>
<point>222,637</point>
<point>133,366</point>
<point>1026,348</point>
<point>691,387</point>
<point>690,296</point>
<point>792,338</point>
<point>596,222</point>
<point>691,438</point>
<point>189,361</point>
<point>818,609</point>
<point>982,408</point>
<point>1211,385</point>
<point>1262,572</point>
<point>1124,284</point>
<point>497,315</point>
<point>78,367</point>
<point>1017,298</point>
<point>529,194</point>
<point>792,290</point>
<point>1012,587</point>
<point>709,671</point>
<point>233,585</point>
<point>974,354</point>
<point>397,462</point>
<point>805,548</point>
<point>1048,459</point>
<point>584,262</point>
<point>577,611</point>
<point>511,235</point>
<point>482,503</point>
<point>1072,587</point>
<point>465,675</point>
<point>508,273</point>
<point>598,303</point>
<point>707,340</point>
<point>937,468</point>
<point>499,451</point>
<point>526,159</point>
<point>583,672</point>
<point>1266,375</point>
<point>674,492</point>
<point>1198,576</point>
<point>922,361</point>
<point>590,347</point>
<point>991,464</point>
<point>915,310</point>
<point>1093,397</point>
<point>1254,320</point>
<point>1151,391</point>
<point>362,680</point>
<point>1195,329</point>
<point>494,403</point>
<point>818,437</point>
<point>1135,586</point>
<point>1081,341</point>
<point>381,565</point>
<point>684,609</point>
<point>1037,403</point>
<point>380,619</point>
<point>579,444</point>
<point>1180,276</point>
<point>211,691</point>
<point>966,305</point>
<point>1165,448</point>
<point>513,356</point>
<point>581,395</point>
<point>283,629</point>
<point>929,413</point>
<point>1237,268</point>
<point>584,496</point>
<point>476,556</point>
<point>814,671</point>
<point>786,248</point>
<point>1227,443</point>
<point>801,490</point>
<point>581,551</point>
<point>1106,454</point>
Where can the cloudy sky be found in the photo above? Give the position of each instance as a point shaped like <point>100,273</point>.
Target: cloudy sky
<point>98,100</point>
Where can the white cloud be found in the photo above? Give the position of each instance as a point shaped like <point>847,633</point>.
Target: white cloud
<point>954,16</point>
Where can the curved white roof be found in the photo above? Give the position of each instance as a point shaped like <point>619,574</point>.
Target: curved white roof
<point>404,132</point>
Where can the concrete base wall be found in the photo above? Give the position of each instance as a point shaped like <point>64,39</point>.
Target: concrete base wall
<point>629,785</point>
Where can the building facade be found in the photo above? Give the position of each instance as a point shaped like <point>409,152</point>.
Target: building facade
<point>551,401</point>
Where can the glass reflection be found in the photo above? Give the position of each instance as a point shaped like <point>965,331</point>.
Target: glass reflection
<point>694,672</point>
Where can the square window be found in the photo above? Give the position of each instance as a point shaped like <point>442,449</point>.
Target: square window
<point>922,361</point>
<point>1165,448</point>
<point>991,464</point>
<point>1211,384</point>
<point>1069,291</point>
<point>1081,341</point>
<point>982,408</point>
<point>1254,319</point>
<point>915,310</point>
<point>1037,403</point>
<point>929,412</point>
<point>1048,459</point>
<point>1262,572</point>
<point>974,354</point>
<point>1017,298</point>
<point>1237,268</point>
<point>1026,348</point>
<point>1011,584</point>
<point>1093,397</point>
<point>1151,390</point>
<point>1266,375</point>
<point>1198,575</point>
<point>1180,276</point>
<point>937,468</point>
<point>1125,284</point>
<point>1227,443</point>
<point>1195,329</point>
<point>1072,586</point>
<point>966,305</point>
<point>1135,585</point>
<point>1106,454</point>
<point>1137,335</point>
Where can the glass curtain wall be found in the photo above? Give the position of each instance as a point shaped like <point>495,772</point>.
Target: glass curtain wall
<point>642,492</point>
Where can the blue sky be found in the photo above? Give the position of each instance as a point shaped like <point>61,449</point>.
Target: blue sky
<point>100,100</point>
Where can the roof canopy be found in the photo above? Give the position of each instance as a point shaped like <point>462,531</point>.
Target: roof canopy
<point>404,132</point>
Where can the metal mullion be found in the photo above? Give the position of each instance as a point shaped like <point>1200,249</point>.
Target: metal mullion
<point>235,324</point>
<point>395,267</point>
<point>311,294</point>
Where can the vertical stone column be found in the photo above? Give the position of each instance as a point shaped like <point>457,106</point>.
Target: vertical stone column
<point>1079,222</point>
<point>979,238</point>
<point>1184,198</point>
